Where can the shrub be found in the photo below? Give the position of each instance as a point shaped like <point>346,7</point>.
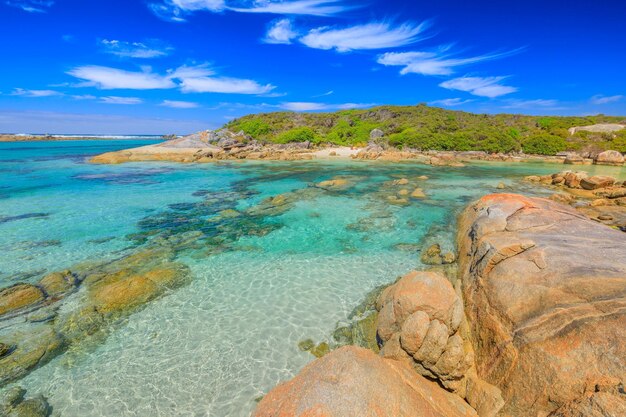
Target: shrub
<point>255,128</point>
<point>544,145</point>
<point>299,134</point>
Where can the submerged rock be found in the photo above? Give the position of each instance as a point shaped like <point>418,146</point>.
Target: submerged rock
<point>32,347</point>
<point>433,256</point>
<point>20,297</point>
<point>352,381</point>
<point>14,404</point>
<point>544,292</point>
<point>306,345</point>
<point>58,283</point>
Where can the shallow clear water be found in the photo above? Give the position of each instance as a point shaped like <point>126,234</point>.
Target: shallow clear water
<point>213,346</point>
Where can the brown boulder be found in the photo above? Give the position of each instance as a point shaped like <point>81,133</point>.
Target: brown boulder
<point>544,291</point>
<point>597,181</point>
<point>573,179</point>
<point>19,297</point>
<point>352,381</point>
<point>609,158</point>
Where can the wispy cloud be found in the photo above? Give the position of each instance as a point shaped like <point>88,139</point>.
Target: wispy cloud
<point>178,10</point>
<point>31,6</point>
<point>532,104</point>
<point>121,100</point>
<point>434,63</point>
<point>328,93</point>
<point>190,79</point>
<point>600,99</point>
<point>35,93</point>
<point>450,102</point>
<point>480,86</point>
<point>201,79</point>
<point>84,97</point>
<point>107,78</point>
<point>295,7</point>
<point>312,106</point>
<point>223,85</point>
<point>374,35</point>
<point>280,32</point>
<point>152,48</point>
<point>179,104</point>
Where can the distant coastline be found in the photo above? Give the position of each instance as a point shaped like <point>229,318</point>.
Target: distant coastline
<point>18,137</point>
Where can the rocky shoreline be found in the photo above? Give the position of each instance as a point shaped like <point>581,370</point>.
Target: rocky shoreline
<point>532,325</point>
<point>211,146</point>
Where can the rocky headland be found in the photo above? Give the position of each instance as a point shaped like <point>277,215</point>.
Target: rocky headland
<point>533,324</point>
<point>223,144</point>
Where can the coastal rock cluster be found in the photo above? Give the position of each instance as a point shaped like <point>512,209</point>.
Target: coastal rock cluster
<point>600,197</point>
<point>534,327</point>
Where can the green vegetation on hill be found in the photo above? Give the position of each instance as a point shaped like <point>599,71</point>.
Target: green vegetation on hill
<point>429,128</point>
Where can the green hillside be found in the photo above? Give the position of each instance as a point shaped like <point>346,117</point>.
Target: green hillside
<point>431,128</point>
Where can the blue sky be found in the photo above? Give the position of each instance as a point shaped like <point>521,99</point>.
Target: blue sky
<point>177,66</point>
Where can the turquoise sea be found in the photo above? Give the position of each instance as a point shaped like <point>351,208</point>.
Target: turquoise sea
<point>261,281</point>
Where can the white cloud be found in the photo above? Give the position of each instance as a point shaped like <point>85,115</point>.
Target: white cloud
<point>177,10</point>
<point>149,49</point>
<point>179,104</point>
<point>31,6</point>
<point>450,102</point>
<point>107,78</point>
<point>190,79</point>
<point>479,86</point>
<point>375,35</point>
<point>193,5</point>
<point>280,32</point>
<point>433,63</point>
<point>121,100</point>
<point>295,7</point>
<point>35,93</point>
<point>303,106</point>
<point>84,97</point>
<point>600,99</point>
<point>531,104</point>
<point>167,12</point>
<point>224,85</point>
<point>312,106</point>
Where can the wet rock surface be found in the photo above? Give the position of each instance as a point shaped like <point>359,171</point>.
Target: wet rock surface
<point>544,291</point>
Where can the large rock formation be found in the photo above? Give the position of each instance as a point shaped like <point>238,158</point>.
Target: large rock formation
<point>545,295</point>
<point>418,320</point>
<point>353,381</point>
